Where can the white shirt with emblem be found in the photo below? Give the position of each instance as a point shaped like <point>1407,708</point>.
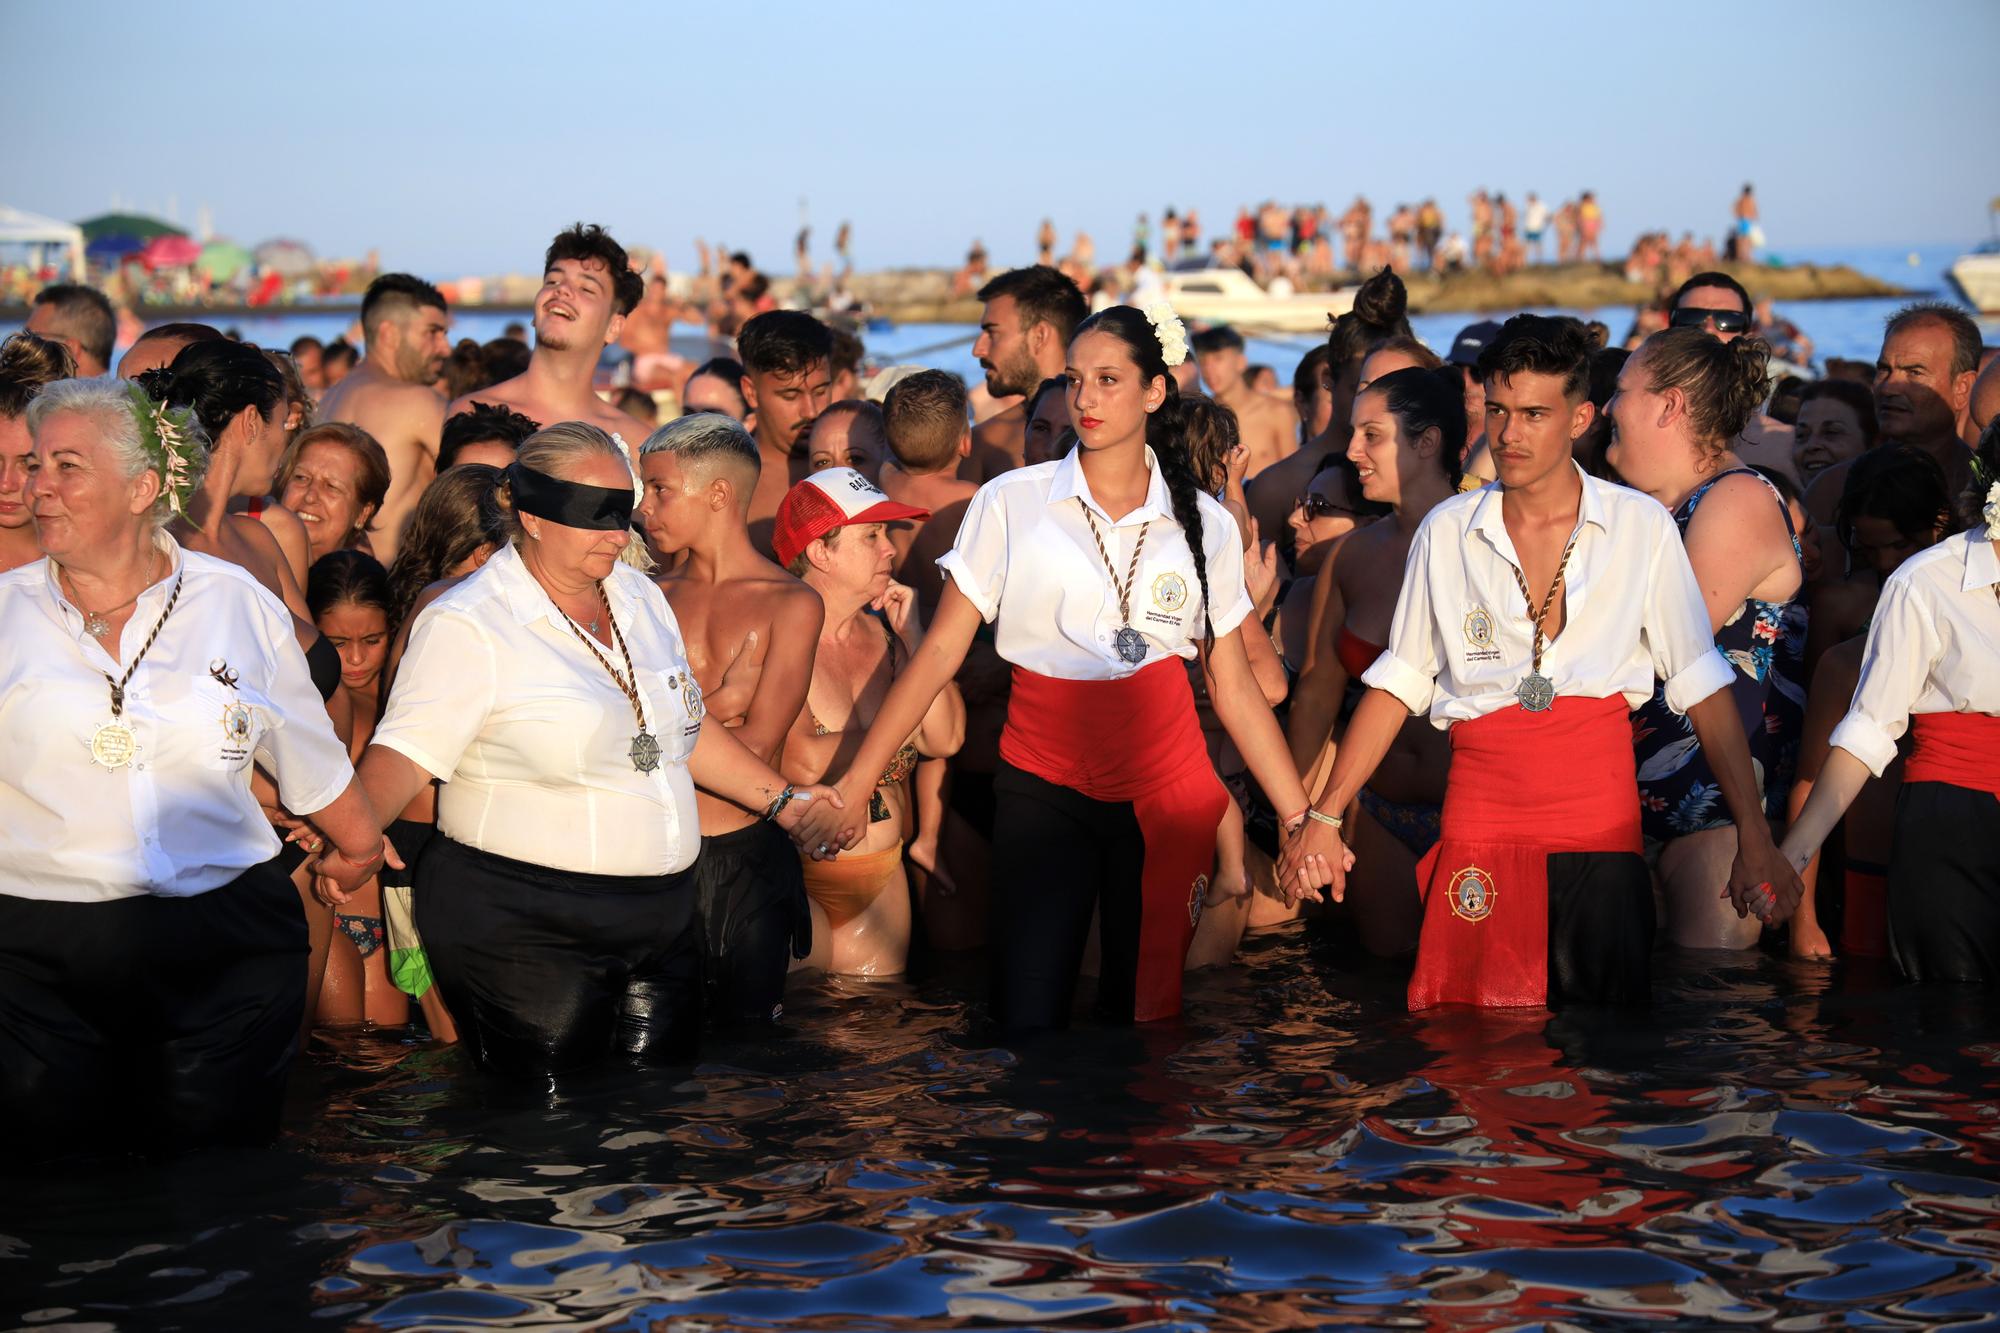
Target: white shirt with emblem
<point>225,685</point>
<point>1462,637</point>
<point>1026,559</point>
<point>497,695</point>
<point>1933,647</point>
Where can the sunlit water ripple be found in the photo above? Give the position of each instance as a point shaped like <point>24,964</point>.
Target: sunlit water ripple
<point>1778,1146</point>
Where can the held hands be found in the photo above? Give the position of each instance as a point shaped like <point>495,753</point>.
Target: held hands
<point>1762,882</point>
<point>1314,858</point>
<point>806,815</point>
<point>337,876</point>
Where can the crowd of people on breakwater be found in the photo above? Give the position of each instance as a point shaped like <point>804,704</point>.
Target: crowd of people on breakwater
<point>448,690</point>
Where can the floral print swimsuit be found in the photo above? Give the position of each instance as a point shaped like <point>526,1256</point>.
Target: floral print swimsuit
<point>1678,793</point>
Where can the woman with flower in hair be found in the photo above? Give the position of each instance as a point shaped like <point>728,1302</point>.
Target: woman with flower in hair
<point>1932,665</point>
<point>152,953</point>
<point>1103,573</point>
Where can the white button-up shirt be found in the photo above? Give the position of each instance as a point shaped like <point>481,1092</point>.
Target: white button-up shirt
<point>1933,647</point>
<point>224,685</point>
<point>1026,556</point>
<point>1463,636</point>
<point>497,695</point>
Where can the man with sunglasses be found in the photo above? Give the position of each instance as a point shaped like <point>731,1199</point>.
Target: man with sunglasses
<point>1718,303</point>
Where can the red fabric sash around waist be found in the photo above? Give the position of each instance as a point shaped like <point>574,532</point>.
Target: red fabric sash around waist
<point>1137,740</point>
<point>1522,785</point>
<point>1960,748</point>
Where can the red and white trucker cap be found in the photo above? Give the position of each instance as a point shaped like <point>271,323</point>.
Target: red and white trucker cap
<point>831,499</point>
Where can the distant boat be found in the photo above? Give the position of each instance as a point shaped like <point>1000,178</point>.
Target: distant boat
<point>1977,276</point>
<point>1230,296</point>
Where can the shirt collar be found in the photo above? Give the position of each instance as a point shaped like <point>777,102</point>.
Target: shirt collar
<point>1982,566</point>
<point>1067,483</point>
<point>1489,521</point>
<point>529,601</point>
<point>163,542</point>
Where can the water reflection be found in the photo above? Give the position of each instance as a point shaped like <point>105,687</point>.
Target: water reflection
<point>1772,1145</point>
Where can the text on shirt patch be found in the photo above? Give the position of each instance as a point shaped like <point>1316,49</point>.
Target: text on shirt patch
<point>1470,894</point>
<point>235,732</point>
<point>1170,594</point>
<point>1479,636</point>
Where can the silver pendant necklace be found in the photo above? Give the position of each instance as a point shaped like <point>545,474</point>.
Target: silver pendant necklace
<point>1537,692</point>
<point>1131,644</point>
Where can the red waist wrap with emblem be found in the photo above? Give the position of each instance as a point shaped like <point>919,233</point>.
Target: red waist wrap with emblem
<point>1522,785</point>
<point>1960,748</point>
<point>1136,739</point>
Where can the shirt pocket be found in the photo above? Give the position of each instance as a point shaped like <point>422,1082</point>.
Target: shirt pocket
<point>220,725</point>
<point>680,712</point>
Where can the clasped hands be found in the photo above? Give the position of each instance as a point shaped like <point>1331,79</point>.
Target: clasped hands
<point>1313,860</point>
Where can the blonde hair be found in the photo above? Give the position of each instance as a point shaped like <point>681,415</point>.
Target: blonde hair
<point>556,451</point>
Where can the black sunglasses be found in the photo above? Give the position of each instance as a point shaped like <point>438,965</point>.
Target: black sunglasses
<point>1694,316</point>
<point>1318,506</point>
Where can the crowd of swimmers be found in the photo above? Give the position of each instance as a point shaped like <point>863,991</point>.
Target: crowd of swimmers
<point>459,694</point>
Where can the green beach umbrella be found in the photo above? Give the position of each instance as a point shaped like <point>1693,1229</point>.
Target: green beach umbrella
<point>222,260</point>
<point>137,225</point>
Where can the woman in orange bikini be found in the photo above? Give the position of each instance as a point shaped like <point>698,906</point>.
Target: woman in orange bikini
<point>830,532</point>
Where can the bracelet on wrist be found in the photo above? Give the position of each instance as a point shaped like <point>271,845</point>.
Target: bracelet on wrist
<point>782,799</point>
<point>1332,821</point>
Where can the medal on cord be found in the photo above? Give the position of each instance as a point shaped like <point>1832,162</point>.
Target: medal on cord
<point>1130,643</point>
<point>1537,692</point>
<point>114,743</point>
<point>645,748</point>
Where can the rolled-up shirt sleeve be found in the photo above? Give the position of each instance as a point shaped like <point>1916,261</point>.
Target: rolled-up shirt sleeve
<point>977,562</point>
<point>299,748</point>
<point>1408,667</point>
<point>444,692</point>
<point>1676,629</point>
<point>1903,645</point>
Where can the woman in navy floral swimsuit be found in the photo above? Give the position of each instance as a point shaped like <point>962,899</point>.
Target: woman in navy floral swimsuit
<point>1683,399</point>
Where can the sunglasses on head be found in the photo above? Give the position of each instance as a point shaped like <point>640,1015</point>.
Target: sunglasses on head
<point>1694,316</point>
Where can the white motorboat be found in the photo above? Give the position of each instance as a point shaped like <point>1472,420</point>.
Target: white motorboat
<point>1230,296</point>
<point>1977,277</point>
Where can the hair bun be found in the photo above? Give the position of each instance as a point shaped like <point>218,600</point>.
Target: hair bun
<point>1383,301</point>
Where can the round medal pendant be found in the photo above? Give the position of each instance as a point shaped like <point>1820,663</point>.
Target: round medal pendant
<point>1536,692</point>
<point>645,752</point>
<point>113,744</point>
<point>1131,645</point>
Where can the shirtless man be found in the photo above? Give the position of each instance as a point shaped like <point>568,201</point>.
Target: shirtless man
<point>1023,337</point>
<point>735,609</point>
<point>588,287</point>
<point>647,335</point>
<point>787,380</point>
<point>1923,381</point>
<point>1268,424</point>
<point>389,395</point>
<point>1719,303</point>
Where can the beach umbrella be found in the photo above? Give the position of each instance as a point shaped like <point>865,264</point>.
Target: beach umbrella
<point>223,260</point>
<point>126,224</point>
<point>109,250</point>
<point>286,256</point>
<point>169,252</point>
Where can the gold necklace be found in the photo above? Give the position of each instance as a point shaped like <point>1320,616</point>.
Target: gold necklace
<point>114,744</point>
<point>94,622</point>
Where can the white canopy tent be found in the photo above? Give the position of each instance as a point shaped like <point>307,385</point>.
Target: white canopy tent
<point>29,229</point>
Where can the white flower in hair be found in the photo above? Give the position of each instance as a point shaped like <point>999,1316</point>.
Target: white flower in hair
<point>1991,513</point>
<point>1167,327</point>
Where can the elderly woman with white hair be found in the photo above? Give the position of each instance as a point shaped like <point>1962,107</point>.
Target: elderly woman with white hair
<point>152,956</point>
<point>550,691</point>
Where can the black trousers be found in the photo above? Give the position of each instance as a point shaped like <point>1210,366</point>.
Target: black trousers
<point>1600,929</point>
<point>1058,856</point>
<point>1944,884</point>
<point>151,1022</point>
<point>751,898</point>
<point>549,971</point>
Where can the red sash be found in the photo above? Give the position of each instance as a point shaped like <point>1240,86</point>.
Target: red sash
<point>1522,785</point>
<point>1960,748</point>
<point>1137,740</point>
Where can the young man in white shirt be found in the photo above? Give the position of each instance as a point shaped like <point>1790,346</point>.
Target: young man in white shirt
<point>1537,891</point>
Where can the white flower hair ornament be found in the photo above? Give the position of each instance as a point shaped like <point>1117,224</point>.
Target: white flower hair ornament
<point>164,433</point>
<point>1167,327</point>
<point>1991,513</point>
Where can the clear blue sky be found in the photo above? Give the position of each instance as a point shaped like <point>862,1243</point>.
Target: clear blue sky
<point>458,137</point>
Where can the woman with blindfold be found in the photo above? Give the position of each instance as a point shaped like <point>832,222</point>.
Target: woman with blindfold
<point>550,692</point>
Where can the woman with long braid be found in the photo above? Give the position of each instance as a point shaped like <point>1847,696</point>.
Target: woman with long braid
<point>1103,572</point>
